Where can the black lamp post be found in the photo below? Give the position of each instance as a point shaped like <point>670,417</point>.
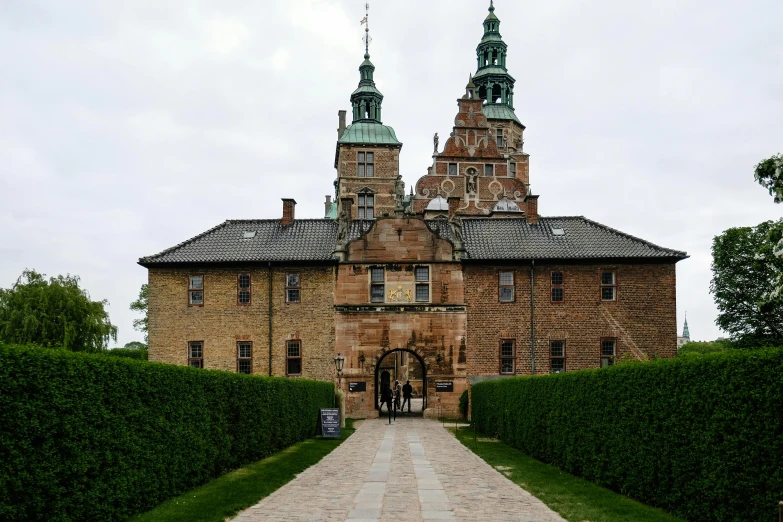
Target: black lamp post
<point>338,365</point>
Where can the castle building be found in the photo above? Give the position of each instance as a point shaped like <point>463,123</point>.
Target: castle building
<point>458,282</point>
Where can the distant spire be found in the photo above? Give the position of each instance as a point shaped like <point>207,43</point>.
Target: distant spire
<point>685,332</point>
<point>366,99</point>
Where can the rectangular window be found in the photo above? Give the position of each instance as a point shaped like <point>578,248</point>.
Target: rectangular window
<point>608,286</point>
<point>366,206</point>
<point>489,170</point>
<point>377,286</point>
<point>243,289</point>
<point>506,287</point>
<point>196,290</point>
<point>366,165</point>
<point>608,352</point>
<point>557,356</point>
<point>293,358</point>
<point>512,169</point>
<point>196,354</point>
<point>500,138</point>
<point>452,169</point>
<point>422,283</point>
<point>292,288</point>
<point>507,356</point>
<point>245,357</point>
<point>557,287</point>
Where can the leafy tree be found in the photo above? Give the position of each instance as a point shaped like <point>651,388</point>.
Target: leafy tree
<point>742,277</point>
<point>769,174</point>
<point>54,313</point>
<point>135,345</point>
<point>141,305</point>
<point>696,348</point>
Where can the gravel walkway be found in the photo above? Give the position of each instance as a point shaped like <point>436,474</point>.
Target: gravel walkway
<point>411,470</point>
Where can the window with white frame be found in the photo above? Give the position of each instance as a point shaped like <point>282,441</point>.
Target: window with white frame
<point>608,352</point>
<point>244,357</point>
<point>196,354</point>
<point>243,289</point>
<point>452,169</point>
<point>293,358</point>
<point>507,356</point>
<point>506,287</point>
<point>422,284</point>
<point>512,169</point>
<point>499,138</point>
<point>196,290</point>
<point>608,286</point>
<point>366,165</point>
<point>557,356</point>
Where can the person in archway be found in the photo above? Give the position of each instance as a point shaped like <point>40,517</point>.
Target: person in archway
<point>397,395</point>
<point>407,393</point>
<point>387,396</point>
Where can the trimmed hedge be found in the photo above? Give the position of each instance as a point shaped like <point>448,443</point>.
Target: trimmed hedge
<point>699,437</point>
<point>89,437</point>
<point>130,353</point>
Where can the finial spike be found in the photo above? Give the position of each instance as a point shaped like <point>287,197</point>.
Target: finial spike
<point>491,6</point>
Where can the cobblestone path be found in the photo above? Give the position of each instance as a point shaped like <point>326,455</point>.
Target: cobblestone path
<point>411,470</point>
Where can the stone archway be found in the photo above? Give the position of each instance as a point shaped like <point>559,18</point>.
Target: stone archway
<point>423,365</point>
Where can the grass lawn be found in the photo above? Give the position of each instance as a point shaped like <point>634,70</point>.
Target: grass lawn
<point>224,497</point>
<point>576,499</point>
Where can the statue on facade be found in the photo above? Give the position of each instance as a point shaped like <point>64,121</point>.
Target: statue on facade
<point>435,141</point>
<point>342,228</point>
<point>471,184</point>
<point>519,144</point>
<point>456,230</point>
<point>399,192</point>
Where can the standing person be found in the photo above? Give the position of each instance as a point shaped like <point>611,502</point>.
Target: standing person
<point>397,395</point>
<point>407,392</point>
<point>387,398</point>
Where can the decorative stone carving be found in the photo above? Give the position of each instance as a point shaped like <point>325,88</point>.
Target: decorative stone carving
<point>435,141</point>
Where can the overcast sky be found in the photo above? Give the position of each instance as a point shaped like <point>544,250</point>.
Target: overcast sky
<point>128,127</point>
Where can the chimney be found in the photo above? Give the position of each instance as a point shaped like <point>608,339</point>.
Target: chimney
<point>347,205</point>
<point>341,124</point>
<point>288,211</point>
<point>327,205</point>
<point>532,210</point>
<point>453,205</point>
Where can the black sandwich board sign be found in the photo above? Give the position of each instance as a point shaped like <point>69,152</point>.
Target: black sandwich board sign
<point>357,386</point>
<point>444,386</point>
<point>329,422</point>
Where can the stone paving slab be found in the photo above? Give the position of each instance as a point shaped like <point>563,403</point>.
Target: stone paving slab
<point>410,471</point>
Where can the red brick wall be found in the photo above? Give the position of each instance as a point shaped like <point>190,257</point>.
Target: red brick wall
<point>642,320</point>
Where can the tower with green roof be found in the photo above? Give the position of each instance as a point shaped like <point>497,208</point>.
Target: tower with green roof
<point>367,157</point>
<point>496,86</point>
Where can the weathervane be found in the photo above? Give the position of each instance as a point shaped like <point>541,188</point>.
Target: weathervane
<point>366,22</point>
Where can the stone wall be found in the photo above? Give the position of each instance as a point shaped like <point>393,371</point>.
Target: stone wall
<point>222,321</point>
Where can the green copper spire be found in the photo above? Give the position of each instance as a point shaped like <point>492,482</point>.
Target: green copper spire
<point>492,80</point>
<point>685,332</point>
<point>366,99</point>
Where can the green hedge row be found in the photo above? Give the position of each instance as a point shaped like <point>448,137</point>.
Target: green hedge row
<point>699,437</point>
<point>90,437</point>
<point>130,353</point>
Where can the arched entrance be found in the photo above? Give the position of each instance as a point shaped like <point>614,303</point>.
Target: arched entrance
<point>402,366</point>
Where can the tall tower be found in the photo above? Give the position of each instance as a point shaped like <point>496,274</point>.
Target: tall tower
<point>368,153</point>
<point>496,86</point>
<point>685,333</point>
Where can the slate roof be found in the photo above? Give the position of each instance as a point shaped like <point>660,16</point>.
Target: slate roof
<point>485,239</point>
<point>495,239</point>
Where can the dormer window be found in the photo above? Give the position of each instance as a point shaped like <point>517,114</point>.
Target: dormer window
<point>366,165</point>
